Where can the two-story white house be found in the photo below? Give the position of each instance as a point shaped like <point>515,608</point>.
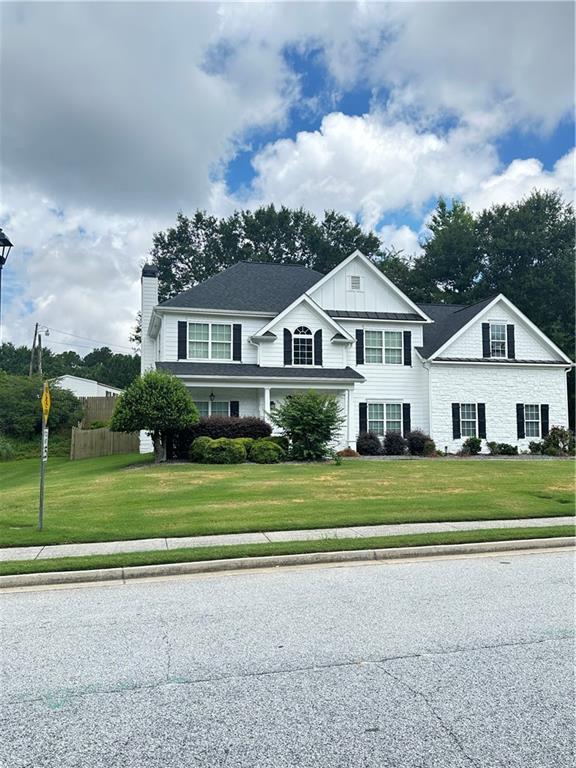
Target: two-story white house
<point>248,337</point>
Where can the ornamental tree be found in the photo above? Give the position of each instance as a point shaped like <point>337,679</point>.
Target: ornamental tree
<point>311,422</point>
<point>158,403</point>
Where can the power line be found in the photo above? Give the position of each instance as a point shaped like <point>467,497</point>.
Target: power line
<point>86,338</point>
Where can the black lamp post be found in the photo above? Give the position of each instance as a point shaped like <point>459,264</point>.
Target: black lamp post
<point>5,248</point>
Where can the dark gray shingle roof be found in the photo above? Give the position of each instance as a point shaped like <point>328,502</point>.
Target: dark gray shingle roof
<point>249,286</point>
<point>184,368</point>
<point>448,319</point>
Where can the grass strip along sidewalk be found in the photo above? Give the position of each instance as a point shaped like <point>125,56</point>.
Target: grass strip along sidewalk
<point>127,559</point>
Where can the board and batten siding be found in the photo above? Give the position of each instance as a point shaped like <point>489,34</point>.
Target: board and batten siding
<point>528,345</point>
<point>500,389</point>
<point>374,295</point>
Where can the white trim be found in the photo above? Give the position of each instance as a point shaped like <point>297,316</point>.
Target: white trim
<point>304,298</point>
<point>378,320</point>
<point>358,254</point>
<point>307,380</point>
<point>207,311</point>
<point>505,364</point>
<point>513,309</point>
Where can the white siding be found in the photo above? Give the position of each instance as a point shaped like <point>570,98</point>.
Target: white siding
<point>149,294</point>
<point>333,354</point>
<point>250,326</point>
<point>500,389</point>
<point>528,345</point>
<point>86,387</point>
<point>374,296</point>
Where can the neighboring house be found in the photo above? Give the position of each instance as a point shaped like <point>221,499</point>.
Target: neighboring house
<point>86,387</point>
<point>252,335</point>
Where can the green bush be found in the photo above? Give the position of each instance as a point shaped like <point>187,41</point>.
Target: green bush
<point>560,438</point>
<point>311,422</point>
<point>247,442</point>
<point>535,447</point>
<point>6,449</point>
<point>502,449</point>
<point>551,450</point>
<point>198,449</point>
<point>98,424</point>
<point>471,446</point>
<point>429,448</point>
<point>368,444</point>
<point>280,440</point>
<point>266,451</point>
<point>417,442</point>
<point>224,451</point>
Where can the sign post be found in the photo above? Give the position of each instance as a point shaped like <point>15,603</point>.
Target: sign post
<point>46,402</point>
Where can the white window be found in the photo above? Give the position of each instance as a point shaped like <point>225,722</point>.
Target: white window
<point>497,339</point>
<point>373,346</point>
<point>210,341</point>
<point>302,346</point>
<point>384,417</point>
<point>393,347</point>
<point>354,282</point>
<point>532,420</point>
<point>468,423</point>
<point>206,408</point>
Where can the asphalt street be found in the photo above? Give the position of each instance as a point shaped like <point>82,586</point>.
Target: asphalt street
<point>448,663</point>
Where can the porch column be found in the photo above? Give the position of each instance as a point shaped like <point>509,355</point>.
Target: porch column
<point>266,401</point>
<point>348,414</point>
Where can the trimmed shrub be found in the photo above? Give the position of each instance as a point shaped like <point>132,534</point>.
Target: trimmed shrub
<point>224,451</point>
<point>247,442</point>
<point>471,446</point>
<point>280,440</point>
<point>368,444</point>
<point>198,448</point>
<point>6,449</point>
<point>535,447</point>
<point>551,450</point>
<point>311,422</point>
<point>266,451</point>
<point>394,444</point>
<point>231,427</point>
<point>560,438</point>
<point>416,441</point>
<point>429,448</point>
<point>348,452</point>
<point>502,449</point>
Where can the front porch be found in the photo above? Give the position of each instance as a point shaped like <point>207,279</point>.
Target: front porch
<point>222,399</point>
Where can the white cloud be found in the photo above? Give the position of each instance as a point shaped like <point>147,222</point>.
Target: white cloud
<point>402,239</point>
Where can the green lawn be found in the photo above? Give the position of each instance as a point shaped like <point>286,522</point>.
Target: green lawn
<point>127,559</point>
<point>125,497</point>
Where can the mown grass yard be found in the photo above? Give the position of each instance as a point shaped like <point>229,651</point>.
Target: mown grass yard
<point>127,497</point>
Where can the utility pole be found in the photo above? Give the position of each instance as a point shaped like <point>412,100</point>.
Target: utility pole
<point>40,354</point>
<point>33,350</point>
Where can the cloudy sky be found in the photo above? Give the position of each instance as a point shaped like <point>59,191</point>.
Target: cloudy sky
<point>116,115</point>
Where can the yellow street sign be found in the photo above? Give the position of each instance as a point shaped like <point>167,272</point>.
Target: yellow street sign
<point>46,400</point>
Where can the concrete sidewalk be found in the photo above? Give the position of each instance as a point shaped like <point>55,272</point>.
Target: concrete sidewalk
<point>367,531</point>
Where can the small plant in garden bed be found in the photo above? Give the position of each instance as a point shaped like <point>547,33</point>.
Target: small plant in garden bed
<point>471,447</point>
<point>368,444</point>
<point>502,449</point>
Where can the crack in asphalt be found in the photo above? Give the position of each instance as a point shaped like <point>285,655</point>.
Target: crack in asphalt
<point>429,704</point>
<point>64,695</point>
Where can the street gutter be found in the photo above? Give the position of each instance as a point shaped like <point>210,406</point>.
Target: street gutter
<point>279,561</point>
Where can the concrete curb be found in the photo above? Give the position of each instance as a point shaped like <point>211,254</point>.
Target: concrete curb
<point>277,561</point>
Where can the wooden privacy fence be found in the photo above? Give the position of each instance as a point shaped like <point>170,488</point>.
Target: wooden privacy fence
<point>89,443</point>
<point>97,409</point>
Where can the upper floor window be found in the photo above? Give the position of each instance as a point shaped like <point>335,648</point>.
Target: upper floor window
<point>373,346</point>
<point>210,341</point>
<point>302,341</point>
<point>383,346</point>
<point>393,347</point>
<point>354,283</point>
<point>498,340</point>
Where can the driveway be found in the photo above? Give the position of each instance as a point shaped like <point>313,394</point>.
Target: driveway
<point>456,662</point>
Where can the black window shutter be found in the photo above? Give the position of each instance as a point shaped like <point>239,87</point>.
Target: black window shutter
<point>359,346</point>
<point>456,434</point>
<point>407,347</point>
<point>511,341</point>
<point>182,339</point>
<point>363,417</point>
<point>520,431</point>
<point>482,420</point>
<point>405,418</point>
<point>234,408</point>
<point>544,420</point>
<point>236,341</point>
<point>287,347</point>
<point>318,347</point>
<point>485,339</point>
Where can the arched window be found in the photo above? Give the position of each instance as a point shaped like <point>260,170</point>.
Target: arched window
<point>302,346</point>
